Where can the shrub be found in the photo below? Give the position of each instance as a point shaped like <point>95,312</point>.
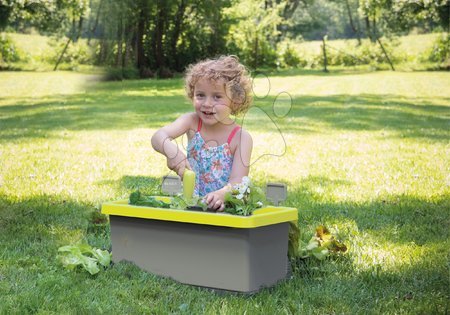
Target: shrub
<point>8,50</point>
<point>76,53</point>
<point>119,74</point>
<point>440,51</point>
<point>365,54</point>
<point>289,57</point>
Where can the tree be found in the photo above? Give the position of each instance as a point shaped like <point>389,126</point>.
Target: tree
<point>255,30</point>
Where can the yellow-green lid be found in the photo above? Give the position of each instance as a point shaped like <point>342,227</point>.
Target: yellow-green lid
<point>260,217</point>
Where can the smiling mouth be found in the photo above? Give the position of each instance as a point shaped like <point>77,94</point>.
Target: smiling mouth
<point>208,113</point>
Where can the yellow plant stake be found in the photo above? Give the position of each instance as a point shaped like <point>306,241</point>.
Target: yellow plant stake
<point>188,184</point>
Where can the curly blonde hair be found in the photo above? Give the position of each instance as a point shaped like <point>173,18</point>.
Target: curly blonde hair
<point>229,70</point>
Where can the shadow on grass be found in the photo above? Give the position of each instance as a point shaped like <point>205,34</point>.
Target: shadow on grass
<point>39,225</point>
<point>106,108</point>
<point>393,218</point>
<point>410,118</point>
<point>375,230</point>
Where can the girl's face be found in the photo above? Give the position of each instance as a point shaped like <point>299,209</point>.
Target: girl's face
<point>211,102</point>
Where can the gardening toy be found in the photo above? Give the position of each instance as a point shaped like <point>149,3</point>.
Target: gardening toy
<point>242,253</point>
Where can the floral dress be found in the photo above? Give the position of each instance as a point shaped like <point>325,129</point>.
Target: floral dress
<point>212,165</point>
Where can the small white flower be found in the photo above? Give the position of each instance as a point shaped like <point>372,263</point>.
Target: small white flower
<point>246,180</point>
<point>242,188</point>
<point>248,189</point>
<point>240,196</point>
<point>259,204</point>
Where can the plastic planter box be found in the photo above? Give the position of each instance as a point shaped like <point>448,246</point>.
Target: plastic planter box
<point>214,250</point>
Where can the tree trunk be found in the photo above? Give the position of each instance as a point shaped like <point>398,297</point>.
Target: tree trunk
<point>255,53</point>
<point>62,54</point>
<point>369,30</point>
<point>385,53</point>
<point>119,56</point>
<point>103,51</point>
<point>140,60</point>
<point>80,29</point>
<point>352,25</point>
<point>97,17</point>
<point>129,35</point>
<point>176,33</point>
<point>290,8</point>
<point>159,32</point>
<point>74,37</point>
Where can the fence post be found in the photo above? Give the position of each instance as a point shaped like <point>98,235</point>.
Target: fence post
<point>324,49</point>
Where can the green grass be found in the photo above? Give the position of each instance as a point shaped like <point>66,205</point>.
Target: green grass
<point>364,153</point>
<point>411,44</point>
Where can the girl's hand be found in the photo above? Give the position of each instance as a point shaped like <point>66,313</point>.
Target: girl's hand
<point>178,163</point>
<point>215,200</point>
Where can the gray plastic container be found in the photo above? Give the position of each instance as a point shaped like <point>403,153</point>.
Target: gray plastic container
<point>214,256</point>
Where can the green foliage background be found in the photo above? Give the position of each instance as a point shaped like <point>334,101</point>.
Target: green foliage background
<point>160,38</point>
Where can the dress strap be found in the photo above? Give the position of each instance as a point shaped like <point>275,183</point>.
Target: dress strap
<point>230,137</point>
<point>199,124</point>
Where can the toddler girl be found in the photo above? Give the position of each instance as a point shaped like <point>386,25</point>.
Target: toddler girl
<point>218,149</point>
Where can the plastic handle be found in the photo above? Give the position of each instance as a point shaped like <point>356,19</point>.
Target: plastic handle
<point>188,183</point>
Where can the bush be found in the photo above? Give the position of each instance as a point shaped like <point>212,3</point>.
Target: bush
<point>289,57</point>
<point>119,74</point>
<point>76,53</point>
<point>367,53</point>
<point>440,52</point>
<point>8,50</point>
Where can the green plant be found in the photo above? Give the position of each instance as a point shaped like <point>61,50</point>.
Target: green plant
<point>72,256</point>
<point>244,198</point>
<point>289,57</point>
<point>177,202</point>
<point>138,199</point>
<point>181,202</point>
<point>440,52</point>
<point>322,244</point>
<point>76,53</point>
<point>8,50</point>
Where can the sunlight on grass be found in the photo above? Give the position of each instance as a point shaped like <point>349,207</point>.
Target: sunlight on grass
<point>154,92</point>
<point>39,84</point>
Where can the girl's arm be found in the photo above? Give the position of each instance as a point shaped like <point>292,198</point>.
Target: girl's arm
<point>240,168</point>
<point>242,155</point>
<point>162,142</point>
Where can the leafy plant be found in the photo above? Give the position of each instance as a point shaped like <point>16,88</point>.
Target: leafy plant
<point>288,56</point>
<point>72,256</point>
<point>177,202</point>
<point>138,199</point>
<point>244,198</point>
<point>322,244</point>
<point>180,202</point>
<point>440,50</point>
<point>8,50</point>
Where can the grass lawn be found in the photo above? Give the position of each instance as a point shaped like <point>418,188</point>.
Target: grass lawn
<point>366,154</point>
<point>411,44</point>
